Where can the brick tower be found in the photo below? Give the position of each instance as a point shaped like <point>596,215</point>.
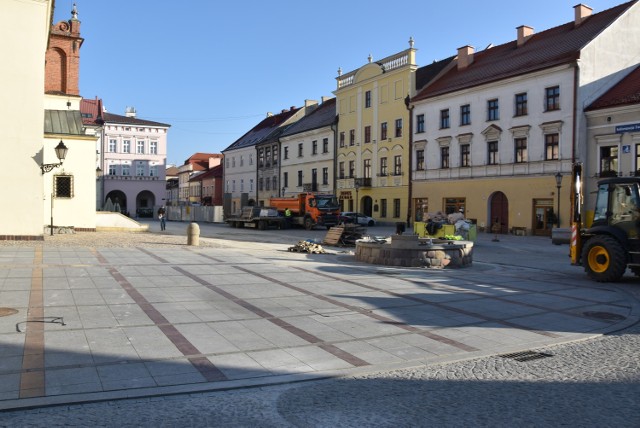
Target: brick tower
<point>62,66</point>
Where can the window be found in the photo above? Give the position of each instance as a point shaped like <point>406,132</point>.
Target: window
<point>140,169</point>
<point>126,170</point>
<point>341,170</point>
<point>551,147</point>
<point>396,208</point>
<point>465,115</point>
<point>367,99</point>
<point>397,165</point>
<point>233,161</point>
<point>492,153</point>
<point>325,145</point>
<point>552,98</point>
<point>465,155</point>
<point>267,184</point>
<point>140,147</point>
<point>342,139</point>
<point>444,157</point>
<point>153,147</point>
<point>314,147</point>
<point>153,171</point>
<point>367,134</point>
<point>444,118</point>
<point>274,153</point>
<point>493,110</point>
<point>521,150</point>
<point>398,133</point>
<point>260,158</point>
<point>325,176</point>
<point>366,168</point>
<point>453,205</point>
<point>299,178</point>
<point>352,137</point>
<point>383,167</point>
<point>251,185</point>
<point>383,208</point>
<point>112,170</point>
<point>352,169</point>
<point>63,186</point>
<point>260,184</point>
<point>286,152</point>
<point>112,146</point>
<point>126,146</point>
<point>267,157</point>
<point>241,185</point>
<point>609,161</point>
<point>383,131</point>
<point>274,183</point>
<point>285,177</point>
<point>299,150</point>
<point>420,160</point>
<point>521,104</point>
<point>419,123</point>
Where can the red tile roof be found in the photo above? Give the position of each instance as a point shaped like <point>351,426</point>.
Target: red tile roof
<point>625,92</point>
<point>91,111</point>
<point>550,48</point>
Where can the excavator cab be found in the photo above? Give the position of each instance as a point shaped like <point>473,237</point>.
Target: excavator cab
<point>612,242</point>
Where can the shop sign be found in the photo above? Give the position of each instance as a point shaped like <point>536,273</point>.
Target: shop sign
<point>634,127</point>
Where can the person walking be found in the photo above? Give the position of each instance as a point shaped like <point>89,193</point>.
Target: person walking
<point>161,217</point>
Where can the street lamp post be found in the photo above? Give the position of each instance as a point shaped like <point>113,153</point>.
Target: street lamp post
<point>61,153</point>
<point>558,185</point>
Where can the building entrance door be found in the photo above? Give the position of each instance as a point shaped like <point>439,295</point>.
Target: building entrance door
<point>543,217</point>
<point>499,212</point>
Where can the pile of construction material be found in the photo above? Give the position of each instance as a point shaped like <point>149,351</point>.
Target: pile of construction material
<point>307,247</point>
<point>344,235</point>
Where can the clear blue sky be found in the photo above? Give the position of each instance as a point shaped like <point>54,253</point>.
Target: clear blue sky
<point>213,69</point>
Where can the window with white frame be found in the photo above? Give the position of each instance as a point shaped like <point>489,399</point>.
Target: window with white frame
<point>126,170</point>
<point>140,147</point>
<point>112,170</point>
<point>153,171</point>
<point>140,169</point>
<point>112,145</point>
<point>153,147</point>
<point>126,146</point>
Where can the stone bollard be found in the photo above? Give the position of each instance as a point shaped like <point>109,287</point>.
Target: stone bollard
<point>193,234</point>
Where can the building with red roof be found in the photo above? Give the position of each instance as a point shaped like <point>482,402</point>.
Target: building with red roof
<point>494,128</point>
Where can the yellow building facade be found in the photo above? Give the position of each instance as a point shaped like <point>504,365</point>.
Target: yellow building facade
<point>373,131</point>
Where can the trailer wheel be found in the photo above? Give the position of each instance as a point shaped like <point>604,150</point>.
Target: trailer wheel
<point>604,259</point>
<point>308,223</point>
<point>262,225</point>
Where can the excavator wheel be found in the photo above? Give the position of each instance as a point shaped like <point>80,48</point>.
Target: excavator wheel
<point>604,259</point>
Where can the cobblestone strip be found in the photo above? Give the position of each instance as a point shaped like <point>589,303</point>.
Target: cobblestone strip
<point>332,349</point>
<point>429,334</point>
<point>32,376</point>
<point>206,368</point>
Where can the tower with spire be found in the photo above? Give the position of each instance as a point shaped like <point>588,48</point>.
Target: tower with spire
<point>63,57</point>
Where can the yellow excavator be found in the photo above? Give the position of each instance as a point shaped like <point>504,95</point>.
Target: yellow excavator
<point>611,243</point>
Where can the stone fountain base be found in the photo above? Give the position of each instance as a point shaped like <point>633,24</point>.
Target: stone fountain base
<point>412,251</point>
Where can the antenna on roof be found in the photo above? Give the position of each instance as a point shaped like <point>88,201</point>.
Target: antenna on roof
<point>489,46</point>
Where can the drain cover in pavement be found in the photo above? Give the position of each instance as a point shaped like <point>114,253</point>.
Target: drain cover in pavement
<point>604,316</point>
<point>526,356</point>
<point>5,312</point>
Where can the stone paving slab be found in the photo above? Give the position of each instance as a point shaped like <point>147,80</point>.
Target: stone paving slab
<point>147,321</point>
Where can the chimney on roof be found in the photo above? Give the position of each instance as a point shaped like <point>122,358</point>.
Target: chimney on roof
<point>465,56</point>
<point>582,12</point>
<point>324,99</point>
<point>524,33</point>
<point>130,112</point>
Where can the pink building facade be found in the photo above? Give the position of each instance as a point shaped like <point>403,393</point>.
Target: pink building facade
<point>133,163</point>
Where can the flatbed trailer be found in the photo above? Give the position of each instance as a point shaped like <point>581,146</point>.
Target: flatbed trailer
<point>258,217</point>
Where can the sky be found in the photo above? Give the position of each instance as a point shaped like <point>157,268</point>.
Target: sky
<point>214,69</point>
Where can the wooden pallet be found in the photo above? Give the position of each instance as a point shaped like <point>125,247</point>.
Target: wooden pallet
<point>334,236</point>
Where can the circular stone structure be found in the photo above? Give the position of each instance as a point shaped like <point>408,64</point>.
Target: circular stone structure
<point>412,251</point>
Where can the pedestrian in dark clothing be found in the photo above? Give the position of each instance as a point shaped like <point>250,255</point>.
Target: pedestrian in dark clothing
<point>161,217</point>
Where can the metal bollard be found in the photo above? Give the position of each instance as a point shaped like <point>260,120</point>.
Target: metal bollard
<point>193,234</point>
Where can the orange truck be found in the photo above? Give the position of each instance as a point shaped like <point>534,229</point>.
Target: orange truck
<point>309,209</point>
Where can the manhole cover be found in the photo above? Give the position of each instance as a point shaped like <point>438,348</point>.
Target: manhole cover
<point>526,356</point>
<point>5,312</point>
<point>604,316</point>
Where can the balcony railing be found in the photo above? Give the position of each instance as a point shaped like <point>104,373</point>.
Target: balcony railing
<point>363,182</point>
